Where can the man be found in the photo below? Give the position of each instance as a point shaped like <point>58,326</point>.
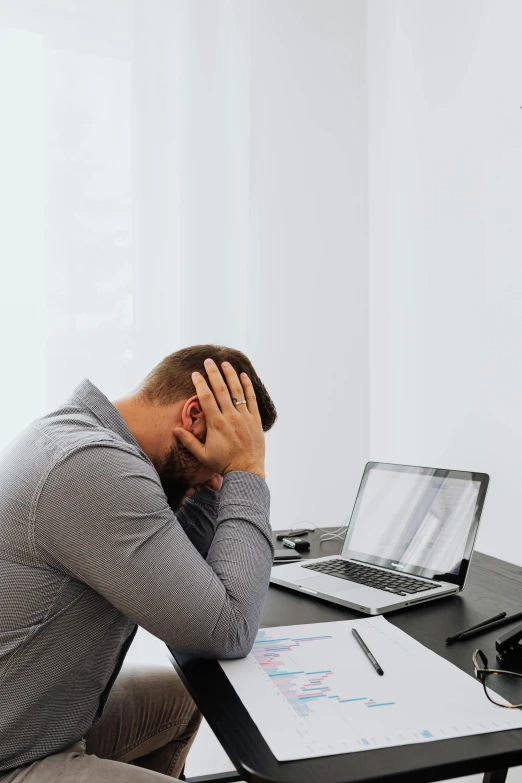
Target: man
<point>90,548</point>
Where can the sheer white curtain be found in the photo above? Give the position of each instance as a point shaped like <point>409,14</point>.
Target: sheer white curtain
<point>124,155</point>
<point>184,171</point>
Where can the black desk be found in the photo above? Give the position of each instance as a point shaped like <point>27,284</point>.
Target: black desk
<point>493,585</point>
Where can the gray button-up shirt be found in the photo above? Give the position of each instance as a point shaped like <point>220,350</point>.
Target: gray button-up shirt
<point>89,548</point>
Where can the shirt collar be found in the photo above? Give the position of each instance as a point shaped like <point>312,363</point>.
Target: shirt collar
<point>102,408</point>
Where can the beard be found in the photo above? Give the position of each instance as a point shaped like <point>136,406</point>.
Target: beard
<point>177,474</point>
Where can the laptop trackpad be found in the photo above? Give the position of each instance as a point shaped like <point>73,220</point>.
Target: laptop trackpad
<point>327,584</point>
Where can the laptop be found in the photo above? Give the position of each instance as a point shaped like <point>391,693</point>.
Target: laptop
<point>409,540</point>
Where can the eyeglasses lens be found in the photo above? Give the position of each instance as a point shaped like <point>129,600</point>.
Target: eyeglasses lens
<point>509,686</point>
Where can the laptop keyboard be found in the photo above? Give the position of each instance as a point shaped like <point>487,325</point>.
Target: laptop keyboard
<point>398,584</point>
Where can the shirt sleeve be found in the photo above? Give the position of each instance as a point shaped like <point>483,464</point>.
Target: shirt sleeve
<point>103,518</point>
<point>198,518</point>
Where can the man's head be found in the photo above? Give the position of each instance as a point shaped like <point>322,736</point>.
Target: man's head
<point>166,400</point>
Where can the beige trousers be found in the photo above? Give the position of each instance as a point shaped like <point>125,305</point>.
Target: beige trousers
<point>149,720</point>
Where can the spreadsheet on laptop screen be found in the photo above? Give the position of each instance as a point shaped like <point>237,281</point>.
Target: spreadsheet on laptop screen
<point>415,519</point>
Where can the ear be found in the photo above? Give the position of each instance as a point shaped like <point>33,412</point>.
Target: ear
<point>193,418</point>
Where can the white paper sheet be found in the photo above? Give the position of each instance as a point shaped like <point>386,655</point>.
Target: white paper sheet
<point>312,692</point>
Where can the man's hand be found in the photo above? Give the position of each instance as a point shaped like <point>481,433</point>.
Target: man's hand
<point>235,439</point>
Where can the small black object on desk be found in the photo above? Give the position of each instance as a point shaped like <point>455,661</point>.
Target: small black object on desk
<point>284,556</point>
<point>508,645</point>
<point>298,544</point>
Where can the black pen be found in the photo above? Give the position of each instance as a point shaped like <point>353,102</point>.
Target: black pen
<point>292,534</point>
<point>367,652</point>
<point>455,636</point>
<point>485,629</point>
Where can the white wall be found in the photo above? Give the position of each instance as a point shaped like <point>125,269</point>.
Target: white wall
<point>309,247</point>
<point>445,174</point>
<point>180,172</point>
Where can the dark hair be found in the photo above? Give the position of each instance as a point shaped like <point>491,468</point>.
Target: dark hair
<point>171,380</point>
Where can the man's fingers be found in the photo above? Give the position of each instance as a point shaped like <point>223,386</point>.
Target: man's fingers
<point>250,395</point>
<point>191,443</point>
<point>205,396</point>
<point>234,385</point>
<point>218,384</point>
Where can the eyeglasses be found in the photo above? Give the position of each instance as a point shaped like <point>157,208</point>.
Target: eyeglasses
<point>500,683</point>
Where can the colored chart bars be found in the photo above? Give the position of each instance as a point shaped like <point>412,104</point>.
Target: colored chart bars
<point>300,688</point>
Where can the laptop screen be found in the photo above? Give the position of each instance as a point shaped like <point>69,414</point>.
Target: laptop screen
<point>416,520</point>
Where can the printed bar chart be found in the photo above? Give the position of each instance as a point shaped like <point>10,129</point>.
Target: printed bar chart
<point>312,692</point>
<point>300,688</point>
